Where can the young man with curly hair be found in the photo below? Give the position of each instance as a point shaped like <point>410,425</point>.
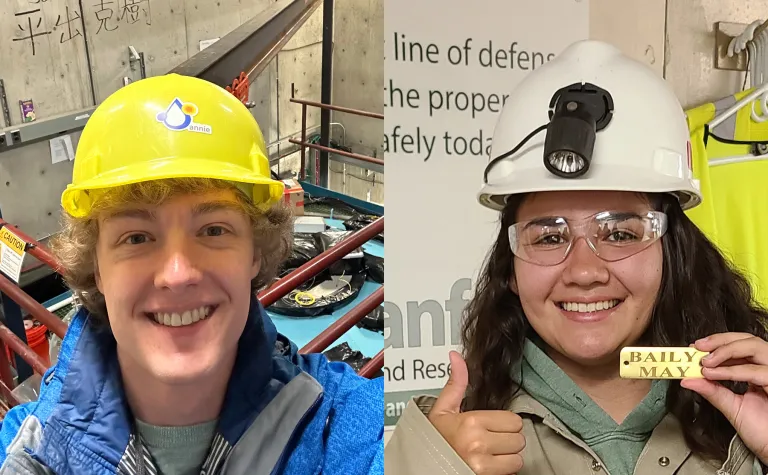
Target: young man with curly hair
<point>171,224</point>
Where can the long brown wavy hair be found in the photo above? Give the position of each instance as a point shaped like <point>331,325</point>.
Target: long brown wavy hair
<point>700,294</point>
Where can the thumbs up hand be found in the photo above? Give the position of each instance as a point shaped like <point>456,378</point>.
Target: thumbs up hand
<point>489,442</point>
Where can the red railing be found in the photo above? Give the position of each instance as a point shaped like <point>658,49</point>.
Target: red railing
<point>266,297</point>
<point>342,325</point>
<point>315,266</point>
<point>37,250</point>
<point>373,366</point>
<point>320,263</point>
<point>6,378</point>
<point>305,145</point>
<point>35,308</point>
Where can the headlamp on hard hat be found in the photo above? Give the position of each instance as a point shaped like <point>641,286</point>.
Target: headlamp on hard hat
<point>576,113</point>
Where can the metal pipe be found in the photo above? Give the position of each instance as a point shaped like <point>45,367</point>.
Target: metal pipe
<point>14,320</point>
<point>363,158</point>
<point>250,47</point>
<point>261,63</point>
<point>10,398</point>
<point>37,250</point>
<point>32,306</point>
<point>303,142</point>
<point>324,260</point>
<point>62,304</point>
<point>347,110</point>
<point>340,326</point>
<point>373,366</point>
<point>326,88</point>
<point>5,367</point>
<point>18,347</point>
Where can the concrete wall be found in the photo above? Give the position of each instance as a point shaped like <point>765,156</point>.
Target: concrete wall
<point>690,65</point>
<point>358,82</point>
<point>677,39</point>
<point>55,75</point>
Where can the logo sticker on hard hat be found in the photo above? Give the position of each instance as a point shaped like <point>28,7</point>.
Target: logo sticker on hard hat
<point>179,116</point>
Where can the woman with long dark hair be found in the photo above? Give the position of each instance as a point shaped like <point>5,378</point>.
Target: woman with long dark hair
<point>591,174</point>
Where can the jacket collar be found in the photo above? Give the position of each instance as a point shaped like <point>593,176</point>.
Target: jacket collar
<point>82,402</point>
<point>666,440</point>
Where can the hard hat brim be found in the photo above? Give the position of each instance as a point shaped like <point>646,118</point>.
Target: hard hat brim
<point>78,203</point>
<point>601,178</point>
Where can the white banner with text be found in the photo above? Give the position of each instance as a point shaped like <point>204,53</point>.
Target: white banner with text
<point>449,67</point>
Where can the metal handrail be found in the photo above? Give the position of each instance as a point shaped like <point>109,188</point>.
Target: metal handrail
<point>35,308</point>
<point>315,266</point>
<point>340,326</point>
<point>6,378</point>
<point>34,248</point>
<point>304,144</point>
<point>319,263</point>
<point>26,353</point>
<point>322,148</point>
<point>370,368</point>
<point>348,110</point>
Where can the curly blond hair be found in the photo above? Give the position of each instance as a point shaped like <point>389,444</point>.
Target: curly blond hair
<point>75,246</point>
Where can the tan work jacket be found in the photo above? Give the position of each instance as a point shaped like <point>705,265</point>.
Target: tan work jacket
<point>416,448</point>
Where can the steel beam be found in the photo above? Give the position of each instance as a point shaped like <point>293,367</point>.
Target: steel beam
<point>250,47</point>
<point>326,89</point>
<point>31,132</point>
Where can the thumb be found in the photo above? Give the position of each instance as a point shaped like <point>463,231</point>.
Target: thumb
<point>452,394</point>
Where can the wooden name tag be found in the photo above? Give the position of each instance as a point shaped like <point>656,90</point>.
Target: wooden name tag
<point>661,363</point>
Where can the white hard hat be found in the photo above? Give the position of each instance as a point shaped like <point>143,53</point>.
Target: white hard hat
<point>642,142</point>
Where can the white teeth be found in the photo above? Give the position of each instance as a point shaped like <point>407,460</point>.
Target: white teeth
<point>188,317</point>
<point>588,307</point>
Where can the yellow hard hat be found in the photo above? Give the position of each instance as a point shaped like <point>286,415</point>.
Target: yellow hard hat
<point>169,126</point>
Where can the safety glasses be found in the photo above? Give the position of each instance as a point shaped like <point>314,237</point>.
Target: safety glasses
<point>611,235</point>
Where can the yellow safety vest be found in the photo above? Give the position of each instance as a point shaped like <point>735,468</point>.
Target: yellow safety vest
<point>734,211</point>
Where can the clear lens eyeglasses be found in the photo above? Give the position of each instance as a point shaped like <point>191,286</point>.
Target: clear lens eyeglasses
<point>611,235</point>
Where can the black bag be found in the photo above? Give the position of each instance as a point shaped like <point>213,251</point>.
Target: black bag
<point>374,321</point>
<point>374,266</point>
<point>344,353</point>
<point>301,302</point>
<point>360,221</point>
<point>349,265</point>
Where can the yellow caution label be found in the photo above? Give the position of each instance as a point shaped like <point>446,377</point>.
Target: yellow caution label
<point>13,241</point>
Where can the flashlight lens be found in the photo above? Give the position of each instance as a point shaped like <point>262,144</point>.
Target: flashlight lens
<point>566,162</point>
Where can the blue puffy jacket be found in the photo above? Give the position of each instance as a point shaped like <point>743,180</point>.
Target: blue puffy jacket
<point>284,413</point>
